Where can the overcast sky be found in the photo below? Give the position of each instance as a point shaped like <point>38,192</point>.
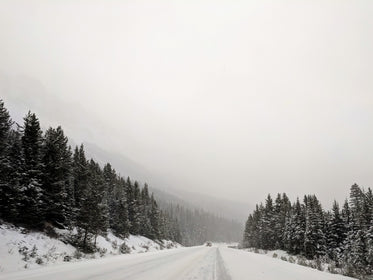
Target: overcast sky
<point>235,99</point>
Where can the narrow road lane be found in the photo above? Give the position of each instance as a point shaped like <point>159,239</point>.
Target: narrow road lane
<point>187,263</point>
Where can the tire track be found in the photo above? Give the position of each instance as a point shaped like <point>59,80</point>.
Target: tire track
<point>221,273</point>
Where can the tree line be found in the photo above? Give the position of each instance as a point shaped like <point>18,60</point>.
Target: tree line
<point>198,226</point>
<point>342,236</point>
<point>43,181</point>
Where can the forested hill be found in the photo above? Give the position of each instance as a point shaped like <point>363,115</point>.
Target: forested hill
<point>342,236</point>
<point>46,182</point>
<point>196,225</point>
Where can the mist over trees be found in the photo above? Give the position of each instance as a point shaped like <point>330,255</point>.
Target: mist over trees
<point>342,235</point>
<point>197,226</point>
<point>44,182</point>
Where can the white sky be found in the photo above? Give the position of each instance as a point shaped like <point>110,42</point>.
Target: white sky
<point>232,98</point>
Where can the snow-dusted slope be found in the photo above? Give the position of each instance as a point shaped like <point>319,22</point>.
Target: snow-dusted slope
<point>22,249</point>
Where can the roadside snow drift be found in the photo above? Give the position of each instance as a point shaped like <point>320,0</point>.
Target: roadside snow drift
<point>23,249</point>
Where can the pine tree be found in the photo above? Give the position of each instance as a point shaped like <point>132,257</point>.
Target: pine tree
<point>357,206</point>
<point>80,177</point>
<point>346,216</point>
<point>57,178</point>
<point>314,237</point>
<point>134,209</point>
<point>146,227</point>
<point>281,210</point>
<point>31,192</point>
<point>247,238</point>
<point>268,225</point>
<point>117,202</point>
<point>336,233</point>
<point>93,213</point>
<point>112,196</point>
<point>154,217</point>
<point>11,200</point>
<point>122,224</point>
<point>295,229</point>
<point>98,194</point>
<point>356,255</point>
<point>6,191</point>
<point>5,127</point>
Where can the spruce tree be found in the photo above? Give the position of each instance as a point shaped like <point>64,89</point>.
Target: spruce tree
<point>31,192</point>
<point>134,206</point>
<point>93,213</point>
<point>146,227</point>
<point>336,233</point>
<point>295,229</point>
<point>80,177</point>
<point>268,226</point>
<point>112,193</point>
<point>154,217</point>
<point>314,238</point>
<point>6,189</point>
<point>357,207</point>
<point>121,224</point>
<point>12,198</point>
<point>57,178</point>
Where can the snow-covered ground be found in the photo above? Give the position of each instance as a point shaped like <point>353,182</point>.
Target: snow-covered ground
<point>247,265</point>
<point>198,263</point>
<point>322,264</point>
<point>22,249</point>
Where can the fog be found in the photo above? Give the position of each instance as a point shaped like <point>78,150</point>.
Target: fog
<point>227,98</point>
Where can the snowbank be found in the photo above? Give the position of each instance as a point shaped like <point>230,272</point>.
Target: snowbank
<point>322,264</point>
<point>21,249</point>
<point>248,265</point>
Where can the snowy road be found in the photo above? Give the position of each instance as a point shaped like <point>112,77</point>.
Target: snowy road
<point>198,263</point>
<point>183,263</point>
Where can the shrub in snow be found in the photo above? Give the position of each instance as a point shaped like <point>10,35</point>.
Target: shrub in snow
<point>39,260</point>
<point>50,231</point>
<point>33,252</point>
<point>78,254</point>
<point>274,255</point>
<point>319,264</point>
<point>302,261</point>
<point>146,247</point>
<point>283,258</point>
<point>114,244</point>
<point>24,251</point>
<point>332,268</point>
<point>67,258</point>
<point>102,251</point>
<point>124,249</point>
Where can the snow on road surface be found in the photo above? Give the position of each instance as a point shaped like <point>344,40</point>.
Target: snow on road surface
<point>197,263</point>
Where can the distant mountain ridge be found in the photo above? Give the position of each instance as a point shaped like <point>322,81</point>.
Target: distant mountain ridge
<point>237,211</point>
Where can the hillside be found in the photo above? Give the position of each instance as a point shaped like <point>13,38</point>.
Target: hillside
<point>21,248</point>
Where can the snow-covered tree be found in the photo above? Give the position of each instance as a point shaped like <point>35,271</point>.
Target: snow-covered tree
<point>57,178</point>
<point>7,191</point>
<point>336,233</point>
<point>30,191</point>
